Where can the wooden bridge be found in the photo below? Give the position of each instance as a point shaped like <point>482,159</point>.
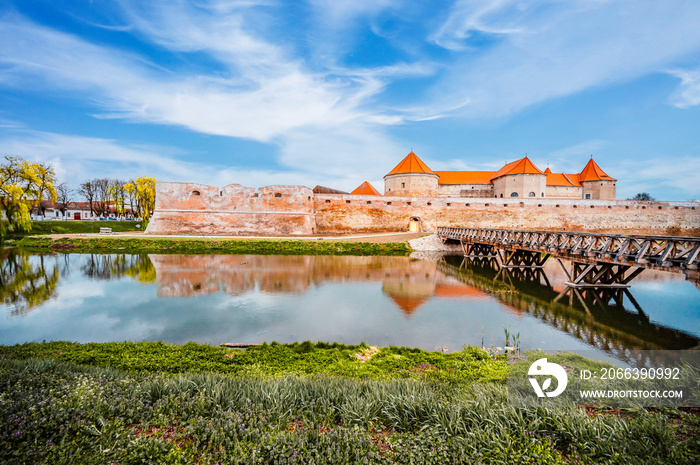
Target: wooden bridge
<point>598,260</point>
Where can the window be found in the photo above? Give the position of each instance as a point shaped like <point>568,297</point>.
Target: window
<point>588,196</point>
<point>347,201</point>
<point>195,193</point>
<point>501,195</point>
<point>328,201</point>
<point>277,194</point>
<point>403,185</point>
<point>369,203</point>
<point>532,194</point>
<point>388,203</point>
<point>513,194</point>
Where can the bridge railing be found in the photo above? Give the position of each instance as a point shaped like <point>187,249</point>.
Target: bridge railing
<point>661,252</point>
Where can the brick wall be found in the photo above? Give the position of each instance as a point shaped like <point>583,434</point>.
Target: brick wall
<point>295,210</point>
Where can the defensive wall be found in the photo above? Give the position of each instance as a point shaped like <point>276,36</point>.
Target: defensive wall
<point>196,209</point>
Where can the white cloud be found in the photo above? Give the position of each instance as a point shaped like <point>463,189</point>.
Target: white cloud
<point>77,159</point>
<point>510,54</point>
<point>688,92</point>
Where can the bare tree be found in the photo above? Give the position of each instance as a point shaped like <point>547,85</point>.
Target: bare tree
<point>101,195</point>
<point>64,195</point>
<point>87,190</point>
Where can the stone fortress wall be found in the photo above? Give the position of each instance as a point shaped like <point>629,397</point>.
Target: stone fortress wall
<point>196,209</point>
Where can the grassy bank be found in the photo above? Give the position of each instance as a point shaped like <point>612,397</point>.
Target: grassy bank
<point>40,228</point>
<point>116,405</point>
<point>115,244</point>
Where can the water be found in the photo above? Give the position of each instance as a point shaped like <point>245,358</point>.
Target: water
<point>380,300</point>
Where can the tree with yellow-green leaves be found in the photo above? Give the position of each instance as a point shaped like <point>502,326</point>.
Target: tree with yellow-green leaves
<point>142,193</point>
<point>22,184</point>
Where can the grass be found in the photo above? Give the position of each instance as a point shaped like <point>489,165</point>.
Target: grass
<point>61,412</point>
<point>271,360</point>
<point>115,244</point>
<point>40,228</point>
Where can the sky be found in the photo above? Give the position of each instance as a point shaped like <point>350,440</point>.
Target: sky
<point>336,92</point>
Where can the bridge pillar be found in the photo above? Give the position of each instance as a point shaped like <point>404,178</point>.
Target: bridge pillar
<point>600,275</point>
<point>522,258</point>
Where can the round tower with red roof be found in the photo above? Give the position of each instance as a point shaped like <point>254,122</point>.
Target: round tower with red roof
<point>520,178</point>
<point>411,177</point>
<point>597,185</point>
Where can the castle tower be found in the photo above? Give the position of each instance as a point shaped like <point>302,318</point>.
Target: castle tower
<point>411,177</point>
<point>365,189</point>
<point>597,185</point>
<point>520,178</point>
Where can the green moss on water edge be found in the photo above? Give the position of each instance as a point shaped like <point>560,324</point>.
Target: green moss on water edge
<point>115,244</point>
<point>272,359</point>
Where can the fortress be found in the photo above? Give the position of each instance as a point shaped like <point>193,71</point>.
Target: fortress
<point>518,196</point>
<point>520,178</point>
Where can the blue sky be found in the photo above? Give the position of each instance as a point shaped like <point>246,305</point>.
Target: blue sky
<point>336,92</point>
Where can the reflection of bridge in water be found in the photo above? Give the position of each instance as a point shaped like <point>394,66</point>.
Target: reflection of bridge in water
<point>602,323</point>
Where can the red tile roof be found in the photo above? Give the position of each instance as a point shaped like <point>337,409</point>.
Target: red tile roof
<point>561,179</point>
<point>365,189</point>
<point>522,166</point>
<point>411,164</point>
<point>465,177</point>
<point>592,172</point>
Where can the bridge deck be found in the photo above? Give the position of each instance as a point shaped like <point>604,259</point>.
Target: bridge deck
<point>666,253</point>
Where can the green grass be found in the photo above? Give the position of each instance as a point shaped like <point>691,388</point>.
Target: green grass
<point>273,359</point>
<point>59,412</point>
<point>76,227</point>
<point>115,244</point>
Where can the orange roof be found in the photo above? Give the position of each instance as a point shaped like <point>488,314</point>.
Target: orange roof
<point>408,305</point>
<point>524,165</point>
<point>592,172</point>
<point>365,189</point>
<point>462,291</point>
<point>411,164</point>
<point>464,177</point>
<point>548,171</point>
<point>561,179</point>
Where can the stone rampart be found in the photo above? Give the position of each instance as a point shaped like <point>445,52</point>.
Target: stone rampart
<point>197,209</point>
<point>188,208</point>
<point>337,213</point>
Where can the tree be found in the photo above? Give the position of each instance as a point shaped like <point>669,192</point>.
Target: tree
<point>64,195</point>
<point>22,183</point>
<point>143,190</point>
<point>45,188</point>
<point>116,195</point>
<point>87,190</point>
<point>101,195</point>
<point>642,196</point>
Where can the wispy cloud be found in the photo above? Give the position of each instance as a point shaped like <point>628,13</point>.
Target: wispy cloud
<point>512,54</point>
<point>688,92</point>
<point>77,159</point>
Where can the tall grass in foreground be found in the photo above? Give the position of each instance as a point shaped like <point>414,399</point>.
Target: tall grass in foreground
<point>57,412</point>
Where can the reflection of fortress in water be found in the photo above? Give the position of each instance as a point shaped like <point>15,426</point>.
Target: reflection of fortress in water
<point>409,283</point>
<point>603,324</point>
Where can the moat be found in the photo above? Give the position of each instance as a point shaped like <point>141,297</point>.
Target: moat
<point>432,304</point>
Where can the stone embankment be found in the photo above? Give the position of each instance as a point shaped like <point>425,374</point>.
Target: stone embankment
<point>433,244</point>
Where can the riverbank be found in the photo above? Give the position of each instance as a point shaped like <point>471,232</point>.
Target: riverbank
<point>301,403</point>
<point>208,245</point>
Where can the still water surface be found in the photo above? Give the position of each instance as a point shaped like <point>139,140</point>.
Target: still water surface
<point>381,300</point>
